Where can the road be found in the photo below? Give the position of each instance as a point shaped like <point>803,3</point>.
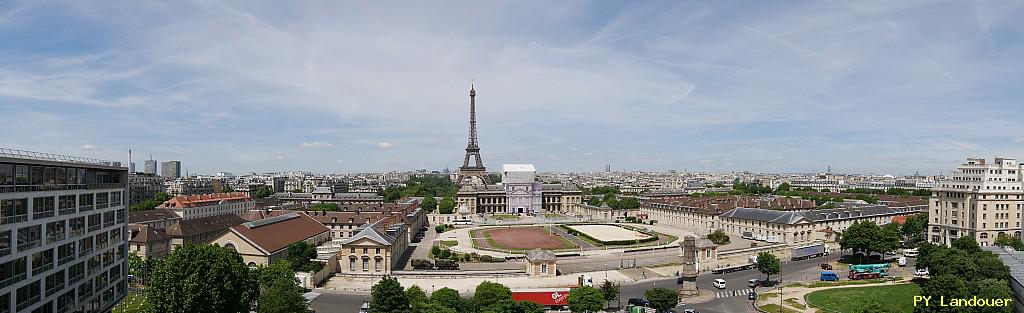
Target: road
<point>729,300</point>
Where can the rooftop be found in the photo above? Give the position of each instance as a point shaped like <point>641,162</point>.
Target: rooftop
<point>29,155</point>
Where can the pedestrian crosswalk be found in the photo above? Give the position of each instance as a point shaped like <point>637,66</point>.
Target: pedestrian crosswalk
<point>733,293</point>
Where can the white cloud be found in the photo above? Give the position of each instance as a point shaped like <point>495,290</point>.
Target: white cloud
<point>89,147</point>
<point>385,145</point>
<point>316,145</point>
<point>279,158</point>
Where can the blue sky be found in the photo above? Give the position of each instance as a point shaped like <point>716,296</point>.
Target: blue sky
<point>341,86</point>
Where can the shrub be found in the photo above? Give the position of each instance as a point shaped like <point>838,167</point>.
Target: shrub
<point>485,258</point>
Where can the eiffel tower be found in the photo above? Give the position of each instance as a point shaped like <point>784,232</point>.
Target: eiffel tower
<point>477,173</point>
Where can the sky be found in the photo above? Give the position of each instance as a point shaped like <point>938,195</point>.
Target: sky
<point>887,87</point>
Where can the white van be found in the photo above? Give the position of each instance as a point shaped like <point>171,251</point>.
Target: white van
<point>772,239</point>
<point>910,253</point>
<point>719,283</point>
<point>759,237</point>
<point>462,222</point>
<point>902,261</point>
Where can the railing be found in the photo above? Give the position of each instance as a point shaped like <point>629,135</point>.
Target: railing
<point>14,219</point>
<point>76,278</point>
<point>13,279</point>
<point>66,211</point>
<point>21,154</point>
<point>28,245</point>
<point>103,205</point>
<point>93,228</point>
<point>86,208</point>
<point>54,238</point>
<point>108,223</point>
<point>5,251</point>
<point>22,305</point>
<point>77,232</point>
<point>54,289</point>
<point>41,269</point>
<point>85,251</point>
<point>44,214</point>
<point>66,259</point>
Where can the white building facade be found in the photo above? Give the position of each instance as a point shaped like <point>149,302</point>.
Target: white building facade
<point>980,199</point>
<point>522,191</point>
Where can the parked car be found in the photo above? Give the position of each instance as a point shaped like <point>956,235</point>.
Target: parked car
<point>365,308</point>
<point>690,311</point>
<point>826,266</point>
<point>902,261</point>
<point>752,296</point>
<point>638,302</point>
<point>753,283</point>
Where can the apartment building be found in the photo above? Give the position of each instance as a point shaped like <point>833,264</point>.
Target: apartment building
<point>197,206</point>
<point>68,218</point>
<point>142,187</point>
<point>980,199</point>
<point>190,186</point>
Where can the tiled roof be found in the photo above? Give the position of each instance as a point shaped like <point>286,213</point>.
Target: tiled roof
<point>720,204</point>
<point>277,234</point>
<point>770,216</point>
<point>143,233</point>
<point>204,200</point>
<point>373,233</point>
<point>540,255</point>
<point>150,215</point>
<point>202,225</point>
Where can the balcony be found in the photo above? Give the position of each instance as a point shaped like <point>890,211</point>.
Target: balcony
<point>28,245</point>
<point>108,223</point>
<point>5,251</point>
<point>66,211</point>
<point>85,208</point>
<point>77,232</point>
<point>54,289</point>
<point>93,228</point>
<point>85,251</point>
<point>75,278</point>
<point>103,205</point>
<point>41,215</point>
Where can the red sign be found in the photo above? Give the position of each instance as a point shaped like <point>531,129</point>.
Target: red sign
<point>546,298</point>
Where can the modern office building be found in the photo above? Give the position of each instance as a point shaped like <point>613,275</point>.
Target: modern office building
<point>150,167</point>
<point>979,199</point>
<point>170,169</point>
<point>68,220</point>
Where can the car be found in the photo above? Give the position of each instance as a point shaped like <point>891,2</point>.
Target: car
<point>753,282</point>
<point>826,266</point>
<point>921,272</point>
<point>638,302</point>
<point>752,296</point>
<point>690,311</point>
<point>719,283</point>
<point>902,261</point>
<point>365,308</point>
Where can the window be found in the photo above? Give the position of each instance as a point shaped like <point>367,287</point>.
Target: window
<point>543,268</point>
<point>29,237</point>
<point>85,246</point>
<point>66,253</point>
<point>13,271</point>
<point>42,261</point>
<point>94,222</point>
<point>6,177</point>
<point>377,264</point>
<point>85,202</point>
<point>28,295</point>
<point>366,264</point>
<point>13,211</point>
<point>5,242</point>
<point>66,204</point>
<point>54,231</point>
<point>77,226</point>
<point>54,283</point>
<point>352,264</point>
<point>102,200</point>
<point>378,250</point>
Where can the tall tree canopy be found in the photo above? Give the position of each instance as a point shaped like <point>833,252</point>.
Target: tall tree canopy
<point>200,278</point>
<point>388,297</point>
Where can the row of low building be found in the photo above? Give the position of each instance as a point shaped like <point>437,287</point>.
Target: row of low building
<point>368,239</point>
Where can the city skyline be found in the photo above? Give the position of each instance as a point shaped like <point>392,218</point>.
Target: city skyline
<point>862,87</point>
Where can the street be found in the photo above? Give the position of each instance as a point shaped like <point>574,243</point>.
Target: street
<point>731,299</point>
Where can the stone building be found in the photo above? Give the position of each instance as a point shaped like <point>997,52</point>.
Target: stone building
<point>541,263</point>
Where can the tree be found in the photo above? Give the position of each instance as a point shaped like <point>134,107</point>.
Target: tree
<point>489,293</point>
<point>990,288</point>
<point>446,297</point>
<point>861,236</point>
<point>718,237</point>
<point>429,204</point>
<point>299,255</point>
<point>416,295</point>
<point>264,192</point>
<point>431,307</point>
<point>944,285</point>
<point>227,188</point>
<point>783,187</point>
<point>388,297</point>
<point>915,226</point>
<point>151,203</point>
<point>610,291</point>
<point>662,299</point>
<point>447,205</point>
<point>278,292</point>
<point>594,201</point>
<point>1009,241</point>
<point>200,278</point>
<point>768,264</point>
<point>966,243</point>
<point>585,299</point>
<point>888,238</point>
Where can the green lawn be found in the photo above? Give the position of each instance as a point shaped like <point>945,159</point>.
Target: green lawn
<point>848,299</point>
<point>133,303</point>
<point>775,308</point>
<point>553,215</point>
<point>793,303</point>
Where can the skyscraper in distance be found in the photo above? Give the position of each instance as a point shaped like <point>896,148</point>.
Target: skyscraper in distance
<point>170,169</point>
